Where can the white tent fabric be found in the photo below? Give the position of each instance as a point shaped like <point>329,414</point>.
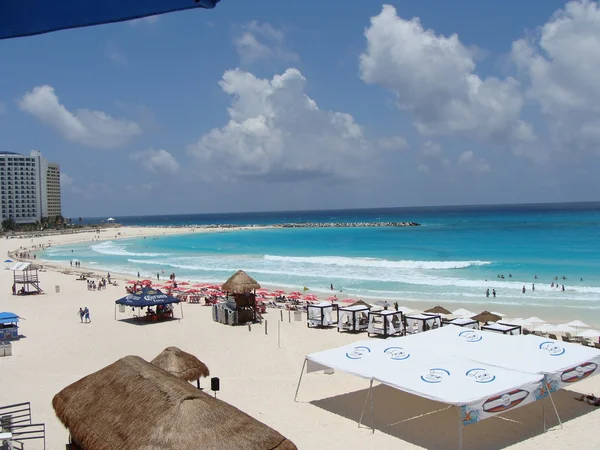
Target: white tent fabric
<point>462,312</point>
<point>496,327</point>
<point>578,324</point>
<point>484,373</point>
<point>353,317</point>
<point>589,333</point>
<point>466,323</point>
<point>392,317</point>
<point>320,314</point>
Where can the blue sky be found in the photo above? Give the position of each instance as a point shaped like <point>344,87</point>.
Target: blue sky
<point>305,105</point>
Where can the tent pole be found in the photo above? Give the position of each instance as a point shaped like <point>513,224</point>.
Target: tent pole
<point>181,309</point>
<point>300,379</point>
<point>460,428</point>
<point>365,405</point>
<point>552,400</point>
<point>115,311</point>
<point>372,414</point>
<point>543,415</point>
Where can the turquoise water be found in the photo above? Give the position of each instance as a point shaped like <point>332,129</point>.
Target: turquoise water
<point>453,258</point>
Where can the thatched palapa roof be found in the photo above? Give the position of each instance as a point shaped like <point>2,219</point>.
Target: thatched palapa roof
<point>181,364</point>
<point>240,283</point>
<point>438,310</point>
<point>134,405</point>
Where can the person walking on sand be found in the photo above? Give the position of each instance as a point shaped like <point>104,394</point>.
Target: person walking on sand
<point>81,314</point>
<point>87,315</point>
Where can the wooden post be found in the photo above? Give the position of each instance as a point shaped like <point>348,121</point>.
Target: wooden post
<point>289,316</point>
<point>281,314</point>
<point>266,332</point>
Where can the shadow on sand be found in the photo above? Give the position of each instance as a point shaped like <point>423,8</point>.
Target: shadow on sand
<point>143,321</point>
<point>395,413</point>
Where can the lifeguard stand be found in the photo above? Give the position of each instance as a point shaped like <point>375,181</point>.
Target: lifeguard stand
<point>25,279</point>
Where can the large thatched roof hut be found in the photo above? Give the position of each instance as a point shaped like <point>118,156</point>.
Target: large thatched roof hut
<point>181,364</point>
<point>240,283</point>
<point>134,405</point>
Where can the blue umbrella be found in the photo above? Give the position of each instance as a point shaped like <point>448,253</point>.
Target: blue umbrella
<point>8,260</point>
<point>28,17</point>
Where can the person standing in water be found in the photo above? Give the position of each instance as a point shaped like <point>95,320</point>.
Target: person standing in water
<point>523,289</point>
<point>494,292</point>
<point>533,287</point>
<point>487,293</point>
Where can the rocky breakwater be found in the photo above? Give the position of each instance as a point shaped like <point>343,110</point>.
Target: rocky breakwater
<point>348,224</point>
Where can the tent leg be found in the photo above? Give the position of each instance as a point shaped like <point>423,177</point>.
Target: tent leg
<point>460,429</point>
<point>181,309</point>
<point>300,379</point>
<point>543,415</point>
<point>372,413</point>
<point>115,311</point>
<point>553,405</point>
<point>365,405</point>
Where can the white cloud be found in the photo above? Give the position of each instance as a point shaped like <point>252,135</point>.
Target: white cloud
<point>468,161</point>
<point>433,77</point>
<point>65,180</point>
<point>423,168</point>
<point>561,63</point>
<point>431,148</point>
<point>276,132</point>
<point>156,161</point>
<point>87,127</point>
<point>150,20</point>
<point>258,41</point>
<point>393,143</point>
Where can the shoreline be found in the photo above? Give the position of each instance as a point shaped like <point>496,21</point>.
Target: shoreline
<point>550,314</point>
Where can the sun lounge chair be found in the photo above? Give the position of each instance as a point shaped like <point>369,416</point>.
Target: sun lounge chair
<point>552,336</point>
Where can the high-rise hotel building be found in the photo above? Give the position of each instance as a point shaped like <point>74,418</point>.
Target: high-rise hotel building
<point>29,187</point>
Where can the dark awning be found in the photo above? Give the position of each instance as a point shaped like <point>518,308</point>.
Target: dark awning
<point>28,17</point>
<point>148,297</point>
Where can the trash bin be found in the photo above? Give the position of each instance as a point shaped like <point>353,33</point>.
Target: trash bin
<point>122,308</point>
<point>57,289</point>
<point>1,348</point>
<point>297,316</point>
<point>8,349</point>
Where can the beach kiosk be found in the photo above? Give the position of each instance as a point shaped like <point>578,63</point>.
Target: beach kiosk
<point>320,315</point>
<point>504,328</point>
<point>9,326</point>
<point>240,306</point>
<point>353,317</point>
<point>385,323</point>
<point>417,323</point>
<point>462,322</point>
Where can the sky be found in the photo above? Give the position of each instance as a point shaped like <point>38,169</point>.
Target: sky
<point>280,105</point>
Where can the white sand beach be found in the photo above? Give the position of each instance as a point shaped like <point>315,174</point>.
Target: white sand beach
<point>256,376</point>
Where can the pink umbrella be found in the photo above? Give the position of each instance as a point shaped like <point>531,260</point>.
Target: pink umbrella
<point>332,298</point>
<point>293,296</point>
<point>183,283</point>
<point>294,293</point>
<point>279,291</point>
<point>310,297</point>
<point>347,300</point>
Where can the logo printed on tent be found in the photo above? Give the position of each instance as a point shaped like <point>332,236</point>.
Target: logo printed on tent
<point>505,401</point>
<point>436,375</point>
<point>470,336</point>
<point>480,375</point>
<point>358,352</point>
<point>578,373</point>
<point>397,353</point>
<point>553,348</point>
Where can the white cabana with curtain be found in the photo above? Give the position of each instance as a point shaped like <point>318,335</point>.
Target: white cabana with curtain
<point>503,328</point>
<point>319,314</point>
<point>353,318</point>
<point>482,373</point>
<point>385,323</point>
<point>462,322</point>
<point>417,323</point>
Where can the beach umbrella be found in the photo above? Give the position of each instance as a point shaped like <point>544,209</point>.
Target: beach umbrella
<point>546,328</point>
<point>438,310</point>
<point>533,321</point>
<point>332,298</point>
<point>295,293</point>
<point>462,312</point>
<point>310,297</point>
<point>347,300</point>
<point>564,328</point>
<point>486,316</point>
<point>132,282</point>
<point>578,324</point>
<point>589,333</point>
<point>183,283</point>
<point>31,17</point>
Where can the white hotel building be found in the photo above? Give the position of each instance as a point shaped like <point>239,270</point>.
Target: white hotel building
<point>29,187</point>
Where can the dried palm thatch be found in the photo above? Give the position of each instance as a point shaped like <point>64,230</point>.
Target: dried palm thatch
<point>360,303</point>
<point>181,364</point>
<point>240,283</point>
<point>438,310</point>
<point>134,405</point>
<point>487,316</point>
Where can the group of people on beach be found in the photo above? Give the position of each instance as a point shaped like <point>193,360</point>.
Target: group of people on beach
<point>84,315</point>
<point>77,263</point>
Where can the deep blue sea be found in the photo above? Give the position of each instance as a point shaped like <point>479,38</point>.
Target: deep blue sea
<point>453,258</point>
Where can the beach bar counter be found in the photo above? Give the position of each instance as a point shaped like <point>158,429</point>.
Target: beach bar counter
<point>418,323</point>
<point>9,326</point>
<point>386,323</point>
<point>320,315</point>
<point>504,328</point>
<point>353,318</point>
<point>462,322</point>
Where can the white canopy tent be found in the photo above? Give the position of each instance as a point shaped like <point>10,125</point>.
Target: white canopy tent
<point>482,373</point>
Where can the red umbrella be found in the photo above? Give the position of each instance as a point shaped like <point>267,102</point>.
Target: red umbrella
<point>132,282</point>
<point>183,283</point>
<point>293,296</point>
<point>148,282</point>
<point>332,298</point>
<point>310,297</point>
<point>169,282</point>
<point>214,286</point>
<point>294,293</point>
<point>199,285</point>
<point>347,300</point>
<point>279,291</point>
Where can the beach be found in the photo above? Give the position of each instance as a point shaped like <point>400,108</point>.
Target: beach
<point>256,376</point>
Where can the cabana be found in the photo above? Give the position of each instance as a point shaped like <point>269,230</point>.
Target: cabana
<point>134,405</point>
<point>385,323</point>
<point>240,306</point>
<point>504,328</point>
<point>9,326</point>
<point>182,365</point>
<point>353,317</point>
<point>320,315</point>
<point>462,322</point>
<point>149,298</point>
<point>25,279</point>
<point>482,374</point>
<point>418,323</point>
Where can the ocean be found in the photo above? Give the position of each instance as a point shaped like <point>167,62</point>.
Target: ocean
<point>452,259</point>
